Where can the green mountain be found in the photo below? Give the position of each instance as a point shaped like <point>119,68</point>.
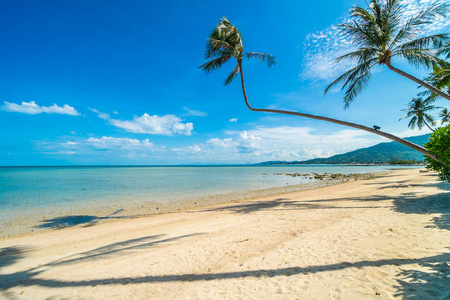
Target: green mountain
<point>378,154</point>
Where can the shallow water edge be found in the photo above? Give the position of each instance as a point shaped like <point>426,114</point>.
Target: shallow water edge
<point>44,219</point>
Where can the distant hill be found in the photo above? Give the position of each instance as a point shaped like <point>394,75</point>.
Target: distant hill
<point>378,154</point>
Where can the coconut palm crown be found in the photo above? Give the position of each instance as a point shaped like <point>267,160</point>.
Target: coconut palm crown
<point>380,33</point>
<point>225,43</point>
<point>444,115</point>
<point>417,109</point>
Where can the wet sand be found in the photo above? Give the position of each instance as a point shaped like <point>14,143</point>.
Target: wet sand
<point>382,238</point>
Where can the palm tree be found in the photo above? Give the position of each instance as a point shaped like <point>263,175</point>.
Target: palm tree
<point>445,115</point>
<point>225,43</point>
<point>380,34</point>
<point>417,109</point>
<point>439,78</point>
<point>445,50</point>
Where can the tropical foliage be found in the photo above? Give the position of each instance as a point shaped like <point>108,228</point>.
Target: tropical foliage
<point>445,116</point>
<point>225,43</point>
<point>439,78</point>
<point>418,109</point>
<point>382,32</point>
<point>439,144</point>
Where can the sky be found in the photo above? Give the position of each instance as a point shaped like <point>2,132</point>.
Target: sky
<point>112,82</point>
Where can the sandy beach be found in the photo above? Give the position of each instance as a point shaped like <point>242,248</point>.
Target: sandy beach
<point>382,238</point>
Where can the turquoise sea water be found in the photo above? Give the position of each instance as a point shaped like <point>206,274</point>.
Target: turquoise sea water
<point>27,188</point>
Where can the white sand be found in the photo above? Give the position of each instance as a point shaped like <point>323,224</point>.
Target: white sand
<point>388,236</point>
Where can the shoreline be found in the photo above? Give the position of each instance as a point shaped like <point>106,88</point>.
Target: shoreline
<point>383,237</point>
<point>42,220</point>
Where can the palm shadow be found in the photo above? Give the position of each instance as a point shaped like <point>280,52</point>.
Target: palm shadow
<point>119,248</point>
<point>10,255</point>
<point>415,284</point>
<point>75,220</point>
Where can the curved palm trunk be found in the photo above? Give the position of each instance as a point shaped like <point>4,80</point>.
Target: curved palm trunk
<point>344,123</point>
<point>428,126</point>
<point>418,81</point>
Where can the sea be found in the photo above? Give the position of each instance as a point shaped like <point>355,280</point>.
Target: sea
<point>49,191</point>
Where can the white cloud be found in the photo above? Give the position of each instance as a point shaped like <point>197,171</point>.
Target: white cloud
<point>321,48</point>
<point>31,108</point>
<point>164,125</point>
<point>100,114</point>
<point>115,143</point>
<point>247,143</point>
<point>193,113</point>
<point>278,143</point>
<point>233,120</point>
<point>196,148</point>
<point>223,143</point>
<point>103,150</point>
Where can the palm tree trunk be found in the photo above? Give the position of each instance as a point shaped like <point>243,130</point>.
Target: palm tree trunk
<point>418,81</point>
<point>428,126</point>
<point>344,123</point>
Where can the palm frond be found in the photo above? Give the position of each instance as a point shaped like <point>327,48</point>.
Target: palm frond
<point>412,123</point>
<point>377,32</point>
<point>214,64</point>
<point>427,43</point>
<point>418,108</point>
<point>355,79</point>
<point>225,43</point>
<point>359,36</point>
<point>232,75</point>
<point>430,119</point>
<point>263,57</point>
<point>361,55</point>
<point>414,25</point>
<point>362,14</point>
<point>215,48</point>
<point>445,115</point>
<point>445,50</point>
<point>418,57</point>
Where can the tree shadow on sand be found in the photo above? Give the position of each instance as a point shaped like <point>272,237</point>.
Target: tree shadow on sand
<point>286,204</point>
<point>75,220</point>
<point>408,202</point>
<point>414,283</point>
<point>10,255</point>
<point>431,283</point>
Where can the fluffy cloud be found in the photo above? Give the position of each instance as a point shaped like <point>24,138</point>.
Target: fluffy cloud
<point>244,143</point>
<point>233,120</point>
<point>321,48</point>
<point>31,108</point>
<point>247,143</point>
<point>164,125</point>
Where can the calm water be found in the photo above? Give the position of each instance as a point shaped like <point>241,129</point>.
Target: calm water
<point>28,188</point>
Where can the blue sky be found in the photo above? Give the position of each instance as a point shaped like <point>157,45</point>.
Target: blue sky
<point>117,82</point>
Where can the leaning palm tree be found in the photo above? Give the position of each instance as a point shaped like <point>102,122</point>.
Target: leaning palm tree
<point>380,33</point>
<point>225,43</point>
<point>417,109</point>
<point>445,116</point>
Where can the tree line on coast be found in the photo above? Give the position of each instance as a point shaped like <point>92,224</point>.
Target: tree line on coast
<point>380,33</point>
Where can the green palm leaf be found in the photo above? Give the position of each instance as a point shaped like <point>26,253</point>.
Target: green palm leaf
<point>382,32</point>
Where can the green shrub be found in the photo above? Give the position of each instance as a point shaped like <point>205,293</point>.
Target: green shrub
<point>439,144</point>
